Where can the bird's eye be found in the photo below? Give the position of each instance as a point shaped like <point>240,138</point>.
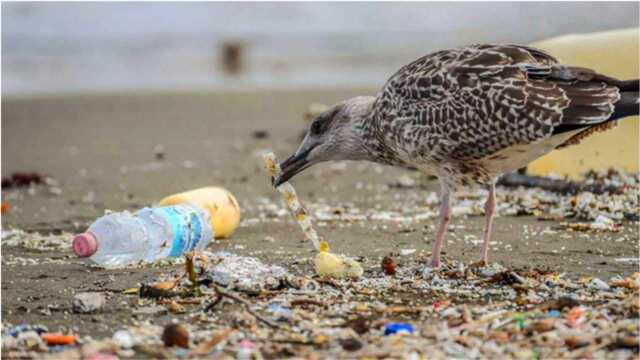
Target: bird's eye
<point>316,127</point>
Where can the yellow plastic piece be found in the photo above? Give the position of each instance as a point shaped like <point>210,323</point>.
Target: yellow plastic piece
<point>613,53</point>
<point>221,204</point>
<point>324,246</point>
<point>335,266</point>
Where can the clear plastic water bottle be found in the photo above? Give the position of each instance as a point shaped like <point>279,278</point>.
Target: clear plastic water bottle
<point>122,238</point>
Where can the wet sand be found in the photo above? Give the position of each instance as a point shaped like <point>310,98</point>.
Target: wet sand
<point>102,152</point>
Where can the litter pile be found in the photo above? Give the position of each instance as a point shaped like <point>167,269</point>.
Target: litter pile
<point>583,211</point>
<point>457,311</point>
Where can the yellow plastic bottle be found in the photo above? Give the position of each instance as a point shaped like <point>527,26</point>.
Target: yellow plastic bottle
<point>221,204</point>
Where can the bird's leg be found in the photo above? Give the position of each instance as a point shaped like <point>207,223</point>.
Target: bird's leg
<point>445,218</point>
<point>489,210</point>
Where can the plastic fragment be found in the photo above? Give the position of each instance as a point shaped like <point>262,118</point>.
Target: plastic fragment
<point>398,328</point>
<point>293,203</point>
<point>88,302</point>
<point>124,339</point>
<point>103,356</point>
<point>335,266</point>
<point>58,339</point>
<point>554,313</point>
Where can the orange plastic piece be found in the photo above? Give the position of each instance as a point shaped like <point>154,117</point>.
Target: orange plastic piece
<point>59,339</point>
<point>5,208</point>
<point>573,317</point>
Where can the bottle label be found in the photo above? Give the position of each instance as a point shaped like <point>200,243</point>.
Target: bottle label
<point>186,225</point>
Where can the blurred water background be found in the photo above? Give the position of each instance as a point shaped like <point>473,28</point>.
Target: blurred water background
<point>70,48</point>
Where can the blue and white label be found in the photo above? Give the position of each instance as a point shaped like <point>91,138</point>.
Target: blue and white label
<point>186,225</point>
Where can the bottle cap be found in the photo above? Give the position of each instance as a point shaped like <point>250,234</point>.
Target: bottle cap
<point>85,244</point>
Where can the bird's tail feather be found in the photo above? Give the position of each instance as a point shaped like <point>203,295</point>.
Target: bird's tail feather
<point>629,105</point>
<point>589,109</point>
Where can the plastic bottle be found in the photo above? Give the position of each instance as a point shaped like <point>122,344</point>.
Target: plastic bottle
<point>222,206</point>
<point>122,238</point>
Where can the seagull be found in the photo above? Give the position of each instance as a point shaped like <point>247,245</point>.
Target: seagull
<point>468,115</point>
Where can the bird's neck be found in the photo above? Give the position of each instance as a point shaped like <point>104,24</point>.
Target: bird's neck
<point>372,134</point>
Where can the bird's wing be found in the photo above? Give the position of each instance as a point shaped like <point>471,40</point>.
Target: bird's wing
<point>471,102</point>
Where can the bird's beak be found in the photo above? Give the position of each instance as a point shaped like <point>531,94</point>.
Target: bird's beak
<point>292,166</point>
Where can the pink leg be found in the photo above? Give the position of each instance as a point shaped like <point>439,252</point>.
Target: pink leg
<point>489,209</point>
<point>445,218</point>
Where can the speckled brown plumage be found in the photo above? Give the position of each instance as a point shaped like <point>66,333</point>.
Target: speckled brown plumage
<point>454,111</point>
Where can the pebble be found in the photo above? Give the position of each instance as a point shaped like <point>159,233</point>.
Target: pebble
<point>544,325</point>
<point>175,335</point>
<point>388,266</point>
<point>351,344</point>
<point>577,341</point>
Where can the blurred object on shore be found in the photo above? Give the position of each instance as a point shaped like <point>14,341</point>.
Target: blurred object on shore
<point>22,179</point>
<point>222,206</point>
<point>614,53</point>
<point>232,57</point>
<point>516,179</point>
<point>314,110</point>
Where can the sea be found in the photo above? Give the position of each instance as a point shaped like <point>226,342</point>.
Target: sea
<point>97,47</point>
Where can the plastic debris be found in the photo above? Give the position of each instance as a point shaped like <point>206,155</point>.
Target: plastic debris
<point>222,206</point>
<point>88,302</point>
<point>335,266</point>
<point>39,329</point>
<point>398,328</point>
<point>124,339</point>
<point>293,203</point>
<point>103,356</point>
<point>246,349</point>
<point>242,273</point>
<point>407,252</point>
<point>59,339</point>
<point>599,284</point>
<point>280,313</point>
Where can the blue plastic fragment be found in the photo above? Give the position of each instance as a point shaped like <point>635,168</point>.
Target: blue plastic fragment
<point>14,331</point>
<point>396,328</point>
<point>280,312</point>
<point>554,313</point>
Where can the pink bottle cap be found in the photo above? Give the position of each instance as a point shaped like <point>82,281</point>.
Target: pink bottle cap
<point>85,244</point>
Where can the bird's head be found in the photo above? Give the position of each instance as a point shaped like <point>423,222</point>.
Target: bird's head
<point>336,134</point>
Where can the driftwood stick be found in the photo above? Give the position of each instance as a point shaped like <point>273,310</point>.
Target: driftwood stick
<point>224,293</point>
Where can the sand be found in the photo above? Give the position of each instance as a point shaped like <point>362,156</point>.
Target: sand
<point>102,151</point>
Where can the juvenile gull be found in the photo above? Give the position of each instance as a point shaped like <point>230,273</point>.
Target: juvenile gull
<point>468,115</point>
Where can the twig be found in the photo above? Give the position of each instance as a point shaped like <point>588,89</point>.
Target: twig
<point>307,302</point>
<point>221,292</point>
